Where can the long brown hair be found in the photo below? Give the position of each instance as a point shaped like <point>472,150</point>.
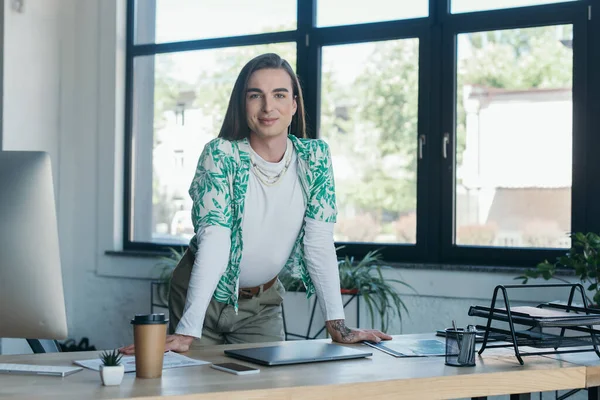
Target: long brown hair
<point>235,125</point>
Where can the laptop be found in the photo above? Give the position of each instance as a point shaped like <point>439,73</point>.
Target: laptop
<point>296,353</point>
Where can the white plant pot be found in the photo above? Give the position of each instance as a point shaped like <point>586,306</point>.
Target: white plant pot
<point>112,376</point>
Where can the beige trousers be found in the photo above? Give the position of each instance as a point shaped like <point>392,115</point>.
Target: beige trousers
<point>259,319</point>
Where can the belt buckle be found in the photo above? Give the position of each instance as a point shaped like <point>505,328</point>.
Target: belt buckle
<point>245,294</point>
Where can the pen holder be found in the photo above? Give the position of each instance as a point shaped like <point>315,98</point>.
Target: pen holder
<point>460,347</point>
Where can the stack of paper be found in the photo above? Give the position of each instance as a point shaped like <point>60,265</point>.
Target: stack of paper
<point>171,360</point>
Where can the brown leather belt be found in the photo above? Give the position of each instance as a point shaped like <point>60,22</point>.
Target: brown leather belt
<point>248,293</point>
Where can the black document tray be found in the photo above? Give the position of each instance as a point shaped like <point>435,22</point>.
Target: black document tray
<point>562,328</point>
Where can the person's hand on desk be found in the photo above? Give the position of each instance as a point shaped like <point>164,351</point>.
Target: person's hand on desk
<point>176,343</point>
<point>341,333</point>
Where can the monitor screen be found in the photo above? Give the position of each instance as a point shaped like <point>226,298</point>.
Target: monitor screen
<point>32,302</point>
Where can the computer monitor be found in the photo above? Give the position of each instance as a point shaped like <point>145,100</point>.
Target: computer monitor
<point>32,301</point>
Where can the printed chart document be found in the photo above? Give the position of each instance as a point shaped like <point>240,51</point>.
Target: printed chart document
<point>404,347</point>
<point>171,360</point>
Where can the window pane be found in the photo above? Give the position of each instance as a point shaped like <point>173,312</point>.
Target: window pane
<point>329,12</point>
<point>162,21</point>
<point>369,104</point>
<point>461,6</point>
<point>514,137</point>
<point>180,101</point>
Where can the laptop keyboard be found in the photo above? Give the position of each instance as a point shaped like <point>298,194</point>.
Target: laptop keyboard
<point>37,369</point>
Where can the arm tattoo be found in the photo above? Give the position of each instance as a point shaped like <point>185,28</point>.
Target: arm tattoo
<point>339,326</point>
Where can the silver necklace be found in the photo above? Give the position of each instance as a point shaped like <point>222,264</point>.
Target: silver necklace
<point>264,177</point>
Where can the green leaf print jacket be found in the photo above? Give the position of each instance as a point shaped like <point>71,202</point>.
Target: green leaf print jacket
<point>218,192</point>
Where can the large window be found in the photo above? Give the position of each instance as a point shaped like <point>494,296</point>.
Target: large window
<point>514,132</point>
<point>461,6</point>
<point>360,12</point>
<point>165,21</point>
<point>369,115</point>
<point>459,131</point>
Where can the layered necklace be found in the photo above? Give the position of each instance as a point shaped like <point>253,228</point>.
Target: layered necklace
<point>266,176</point>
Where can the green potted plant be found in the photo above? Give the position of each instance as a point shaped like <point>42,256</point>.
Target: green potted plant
<point>166,266</point>
<point>364,277</point>
<point>111,369</point>
<point>583,258</point>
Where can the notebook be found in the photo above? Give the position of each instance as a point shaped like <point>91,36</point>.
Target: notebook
<point>305,351</point>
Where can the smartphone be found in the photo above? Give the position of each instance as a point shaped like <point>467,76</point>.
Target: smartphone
<point>235,368</point>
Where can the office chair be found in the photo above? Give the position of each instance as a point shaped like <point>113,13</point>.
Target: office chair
<point>43,346</point>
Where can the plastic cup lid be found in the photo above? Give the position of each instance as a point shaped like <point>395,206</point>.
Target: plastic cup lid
<point>146,319</point>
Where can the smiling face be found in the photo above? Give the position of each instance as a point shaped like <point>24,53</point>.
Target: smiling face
<point>270,102</point>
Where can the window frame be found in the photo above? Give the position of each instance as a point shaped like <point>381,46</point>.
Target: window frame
<point>574,13</point>
<point>435,176</point>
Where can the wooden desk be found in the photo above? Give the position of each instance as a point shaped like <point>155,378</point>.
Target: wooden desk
<point>381,376</point>
<point>591,361</point>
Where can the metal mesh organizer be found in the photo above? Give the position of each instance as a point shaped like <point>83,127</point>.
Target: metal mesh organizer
<point>561,328</point>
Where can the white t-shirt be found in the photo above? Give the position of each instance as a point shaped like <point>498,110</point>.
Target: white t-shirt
<point>273,216</point>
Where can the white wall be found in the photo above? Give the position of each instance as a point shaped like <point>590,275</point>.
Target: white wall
<point>101,304</point>
<point>33,50</point>
<point>57,55</point>
<point>64,77</point>
<point>1,75</point>
<point>34,53</point>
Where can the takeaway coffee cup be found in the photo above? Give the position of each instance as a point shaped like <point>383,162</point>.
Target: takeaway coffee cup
<point>149,336</point>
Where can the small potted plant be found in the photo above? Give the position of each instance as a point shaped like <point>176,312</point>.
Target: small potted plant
<point>111,369</point>
<point>380,294</point>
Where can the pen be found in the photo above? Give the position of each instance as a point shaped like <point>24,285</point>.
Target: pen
<point>456,334</point>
